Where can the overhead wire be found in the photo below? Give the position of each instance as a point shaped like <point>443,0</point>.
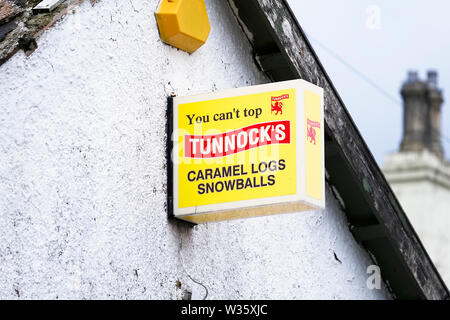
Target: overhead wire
<point>367,79</point>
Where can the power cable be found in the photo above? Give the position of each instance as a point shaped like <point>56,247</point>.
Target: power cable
<point>367,79</point>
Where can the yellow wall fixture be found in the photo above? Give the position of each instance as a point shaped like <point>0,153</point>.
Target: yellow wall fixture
<point>183,23</point>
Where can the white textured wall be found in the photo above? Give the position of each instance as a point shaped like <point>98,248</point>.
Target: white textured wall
<point>428,208</point>
<point>83,180</point>
<point>421,183</point>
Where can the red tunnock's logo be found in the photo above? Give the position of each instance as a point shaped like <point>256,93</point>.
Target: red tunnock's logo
<point>277,105</point>
<point>310,131</point>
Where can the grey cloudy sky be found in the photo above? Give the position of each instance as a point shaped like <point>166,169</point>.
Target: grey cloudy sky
<point>382,40</point>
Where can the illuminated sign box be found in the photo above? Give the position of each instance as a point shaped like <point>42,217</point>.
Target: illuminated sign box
<point>246,152</point>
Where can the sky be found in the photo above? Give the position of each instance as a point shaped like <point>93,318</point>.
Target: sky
<point>367,48</point>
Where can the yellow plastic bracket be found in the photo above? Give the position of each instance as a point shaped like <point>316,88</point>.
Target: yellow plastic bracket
<point>183,24</point>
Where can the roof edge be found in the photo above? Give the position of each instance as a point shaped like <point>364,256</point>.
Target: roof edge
<point>297,59</point>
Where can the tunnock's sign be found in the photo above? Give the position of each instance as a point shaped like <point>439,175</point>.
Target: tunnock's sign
<point>246,152</point>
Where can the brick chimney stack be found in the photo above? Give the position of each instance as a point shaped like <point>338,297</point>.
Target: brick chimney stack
<point>422,114</point>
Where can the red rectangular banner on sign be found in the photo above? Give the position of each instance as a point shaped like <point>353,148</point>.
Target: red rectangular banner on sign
<point>223,144</point>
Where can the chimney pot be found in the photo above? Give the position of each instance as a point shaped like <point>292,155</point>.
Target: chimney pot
<point>432,76</point>
<point>422,102</point>
<point>413,76</point>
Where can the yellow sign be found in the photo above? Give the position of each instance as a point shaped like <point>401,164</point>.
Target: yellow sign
<point>247,152</point>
